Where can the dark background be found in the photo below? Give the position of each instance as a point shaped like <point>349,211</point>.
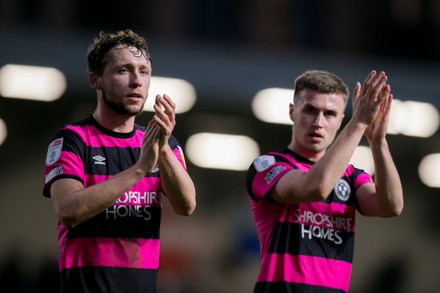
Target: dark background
<point>229,50</point>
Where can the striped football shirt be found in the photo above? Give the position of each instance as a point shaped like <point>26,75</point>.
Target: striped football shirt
<point>304,247</point>
<point>117,250</point>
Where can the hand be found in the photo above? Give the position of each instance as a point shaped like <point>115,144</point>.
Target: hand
<point>368,98</point>
<point>149,153</point>
<point>378,129</point>
<point>165,116</point>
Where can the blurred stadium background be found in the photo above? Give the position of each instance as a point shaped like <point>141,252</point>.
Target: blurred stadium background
<point>228,51</point>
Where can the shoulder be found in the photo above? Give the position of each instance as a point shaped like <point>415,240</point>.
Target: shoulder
<point>264,162</point>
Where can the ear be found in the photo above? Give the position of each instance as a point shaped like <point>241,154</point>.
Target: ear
<point>95,81</point>
<point>292,112</point>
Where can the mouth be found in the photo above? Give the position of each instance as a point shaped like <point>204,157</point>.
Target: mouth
<point>135,97</point>
<point>316,136</point>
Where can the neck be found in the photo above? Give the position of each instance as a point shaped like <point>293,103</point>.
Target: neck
<point>310,155</point>
<point>115,122</point>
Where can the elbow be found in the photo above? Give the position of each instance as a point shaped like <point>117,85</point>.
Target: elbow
<point>394,211</point>
<point>186,205</point>
<point>67,218</point>
<point>68,221</point>
<point>320,196</point>
<point>187,210</point>
<point>318,190</point>
<point>397,207</point>
<point>320,193</point>
<point>67,215</point>
<point>183,205</point>
<point>191,209</point>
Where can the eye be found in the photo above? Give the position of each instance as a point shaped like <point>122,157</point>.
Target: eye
<point>330,113</point>
<point>310,110</point>
<point>123,70</point>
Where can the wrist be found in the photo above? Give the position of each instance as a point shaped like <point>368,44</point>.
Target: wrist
<point>377,143</point>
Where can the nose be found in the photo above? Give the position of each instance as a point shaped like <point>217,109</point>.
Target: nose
<point>318,120</point>
<point>136,79</point>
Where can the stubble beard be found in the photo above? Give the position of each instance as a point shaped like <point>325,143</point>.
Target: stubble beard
<point>121,108</point>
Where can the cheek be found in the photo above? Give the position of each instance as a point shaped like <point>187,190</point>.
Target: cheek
<point>339,123</point>
<point>334,127</point>
<point>113,88</point>
<point>147,82</point>
<point>117,85</point>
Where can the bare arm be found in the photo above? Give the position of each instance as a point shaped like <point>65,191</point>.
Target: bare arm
<point>176,181</point>
<point>75,204</point>
<point>385,197</point>
<point>317,183</point>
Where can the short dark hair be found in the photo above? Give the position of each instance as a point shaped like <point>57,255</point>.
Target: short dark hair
<point>97,52</point>
<point>320,81</point>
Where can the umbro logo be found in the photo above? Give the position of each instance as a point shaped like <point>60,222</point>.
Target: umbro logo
<point>99,160</point>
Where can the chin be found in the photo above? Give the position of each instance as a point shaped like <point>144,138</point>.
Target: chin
<point>134,110</point>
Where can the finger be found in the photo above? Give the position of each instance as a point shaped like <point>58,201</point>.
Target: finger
<point>379,89</point>
<point>167,114</point>
<point>152,131</point>
<point>374,82</point>
<point>357,90</point>
<point>388,103</point>
<point>384,93</point>
<point>385,109</point>
<point>370,76</point>
<point>157,100</point>
<point>165,126</point>
<point>160,115</point>
<point>379,79</point>
<point>169,106</point>
<point>159,121</point>
<point>159,106</point>
<point>162,103</point>
<point>169,101</point>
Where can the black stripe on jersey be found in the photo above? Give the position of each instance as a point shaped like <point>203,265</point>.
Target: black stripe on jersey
<point>108,279</point>
<point>46,187</point>
<point>115,225</point>
<point>249,178</point>
<point>281,287</point>
<point>74,144</point>
<point>286,236</point>
<point>127,157</point>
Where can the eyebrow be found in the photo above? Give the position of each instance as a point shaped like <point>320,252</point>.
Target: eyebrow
<point>312,106</point>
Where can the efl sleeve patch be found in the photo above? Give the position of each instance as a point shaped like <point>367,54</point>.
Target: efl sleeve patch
<point>54,151</point>
<point>263,162</point>
<point>55,172</point>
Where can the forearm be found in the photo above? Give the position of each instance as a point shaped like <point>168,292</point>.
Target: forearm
<point>176,183</point>
<point>75,204</point>
<point>388,185</point>
<point>329,169</point>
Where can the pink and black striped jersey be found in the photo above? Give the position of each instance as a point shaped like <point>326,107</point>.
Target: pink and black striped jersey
<point>304,247</point>
<point>117,250</point>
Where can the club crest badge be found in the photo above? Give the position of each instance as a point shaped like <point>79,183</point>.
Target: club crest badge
<point>342,190</point>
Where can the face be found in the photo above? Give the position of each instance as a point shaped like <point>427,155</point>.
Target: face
<point>317,118</point>
<point>125,82</point>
